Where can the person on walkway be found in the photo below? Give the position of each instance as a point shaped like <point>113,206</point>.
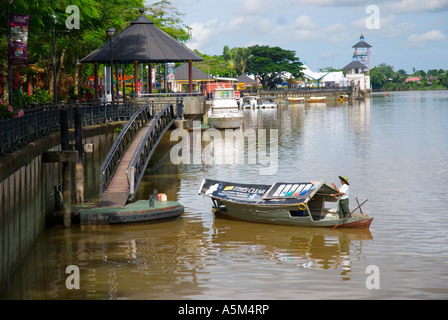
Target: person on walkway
<point>343,193</point>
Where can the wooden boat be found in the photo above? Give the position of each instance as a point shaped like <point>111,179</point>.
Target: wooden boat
<point>224,112</point>
<point>296,99</point>
<point>139,211</point>
<point>342,97</point>
<point>316,99</point>
<point>300,204</point>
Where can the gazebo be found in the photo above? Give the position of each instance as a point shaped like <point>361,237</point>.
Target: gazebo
<point>141,42</point>
<point>183,76</point>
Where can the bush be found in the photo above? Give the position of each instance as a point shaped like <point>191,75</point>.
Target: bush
<point>40,96</point>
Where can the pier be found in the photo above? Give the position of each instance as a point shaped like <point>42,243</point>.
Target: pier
<point>284,94</point>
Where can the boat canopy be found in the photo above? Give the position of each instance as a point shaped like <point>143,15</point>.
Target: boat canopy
<point>261,194</point>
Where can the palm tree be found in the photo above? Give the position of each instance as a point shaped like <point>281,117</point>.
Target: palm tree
<point>237,58</point>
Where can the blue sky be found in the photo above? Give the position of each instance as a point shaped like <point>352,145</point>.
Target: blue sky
<point>411,33</point>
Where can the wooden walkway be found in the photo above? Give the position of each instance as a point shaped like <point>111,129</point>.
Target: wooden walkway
<point>117,194</point>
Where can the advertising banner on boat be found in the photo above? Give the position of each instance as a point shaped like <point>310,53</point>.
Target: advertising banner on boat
<point>19,39</point>
<point>233,191</point>
<point>290,190</point>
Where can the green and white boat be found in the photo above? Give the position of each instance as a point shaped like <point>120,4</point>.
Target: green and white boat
<point>307,204</point>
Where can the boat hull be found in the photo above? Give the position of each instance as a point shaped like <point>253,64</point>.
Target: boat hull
<point>301,99</point>
<point>281,215</point>
<point>225,121</point>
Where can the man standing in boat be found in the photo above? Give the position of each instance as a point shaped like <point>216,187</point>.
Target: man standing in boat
<point>342,195</point>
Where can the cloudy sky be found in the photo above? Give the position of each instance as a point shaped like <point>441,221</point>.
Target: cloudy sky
<point>403,33</point>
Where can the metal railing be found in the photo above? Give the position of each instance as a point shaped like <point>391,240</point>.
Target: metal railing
<point>136,169</point>
<point>122,142</point>
<point>41,120</point>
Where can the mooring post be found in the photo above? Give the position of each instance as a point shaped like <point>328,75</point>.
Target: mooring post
<point>79,163</point>
<point>66,178</point>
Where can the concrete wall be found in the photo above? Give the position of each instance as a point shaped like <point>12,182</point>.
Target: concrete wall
<point>27,191</point>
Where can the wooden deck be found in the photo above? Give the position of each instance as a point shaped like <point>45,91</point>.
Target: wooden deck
<point>117,194</point>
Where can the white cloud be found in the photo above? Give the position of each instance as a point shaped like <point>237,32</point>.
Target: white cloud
<point>419,41</point>
<point>304,22</point>
<point>433,35</point>
<point>202,33</point>
<point>405,6</point>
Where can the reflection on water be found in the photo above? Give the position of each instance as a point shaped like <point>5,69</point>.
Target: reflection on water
<point>394,151</point>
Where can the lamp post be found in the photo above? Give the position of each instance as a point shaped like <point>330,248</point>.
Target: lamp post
<point>78,65</point>
<point>110,33</point>
<point>55,81</point>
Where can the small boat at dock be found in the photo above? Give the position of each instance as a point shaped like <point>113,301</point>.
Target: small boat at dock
<point>304,204</point>
<point>268,102</point>
<point>296,99</point>
<point>316,99</point>
<point>343,97</point>
<point>250,102</point>
<point>224,112</point>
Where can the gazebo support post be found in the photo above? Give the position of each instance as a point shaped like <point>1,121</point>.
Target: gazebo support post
<point>95,65</point>
<point>190,75</point>
<point>136,78</point>
<point>124,81</point>
<point>150,77</point>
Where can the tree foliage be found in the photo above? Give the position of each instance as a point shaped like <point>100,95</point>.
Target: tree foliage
<point>270,64</point>
<point>384,78</point>
<point>237,58</point>
<point>95,17</point>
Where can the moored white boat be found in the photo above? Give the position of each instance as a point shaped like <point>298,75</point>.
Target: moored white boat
<point>224,112</point>
<point>250,102</point>
<point>316,99</point>
<point>296,99</point>
<point>268,102</point>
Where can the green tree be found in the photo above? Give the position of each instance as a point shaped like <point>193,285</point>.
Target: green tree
<point>237,58</point>
<point>381,75</point>
<point>95,17</point>
<point>271,63</point>
<point>214,65</point>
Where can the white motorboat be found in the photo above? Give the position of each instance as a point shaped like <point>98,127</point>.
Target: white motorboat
<point>268,102</point>
<point>249,102</point>
<point>224,112</point>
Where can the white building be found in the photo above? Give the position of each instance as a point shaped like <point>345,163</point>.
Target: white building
<point>357,76</point>
<point>324,79</point>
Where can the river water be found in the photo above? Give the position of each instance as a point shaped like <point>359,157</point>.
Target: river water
<point>394,151</point>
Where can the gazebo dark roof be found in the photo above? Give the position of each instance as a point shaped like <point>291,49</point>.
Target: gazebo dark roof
<point>181,73</point>
<point>245,79</point>
<point>142,41</point>
<point>356,65</point>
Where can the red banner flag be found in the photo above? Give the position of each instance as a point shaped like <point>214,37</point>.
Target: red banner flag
<point>19,39</point>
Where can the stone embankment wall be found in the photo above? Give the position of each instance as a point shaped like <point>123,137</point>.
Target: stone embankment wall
<point>28,191</point>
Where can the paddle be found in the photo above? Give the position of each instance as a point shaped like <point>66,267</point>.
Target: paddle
<point>350,214</point>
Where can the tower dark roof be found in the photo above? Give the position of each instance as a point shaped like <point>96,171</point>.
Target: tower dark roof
<point>362,44</point>
<point>356,65</point>
<point>142,41</point>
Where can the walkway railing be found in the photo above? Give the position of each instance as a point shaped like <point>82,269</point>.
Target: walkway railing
<point>122,142</point>
<point>39,121</point>
<point>136,169</point>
